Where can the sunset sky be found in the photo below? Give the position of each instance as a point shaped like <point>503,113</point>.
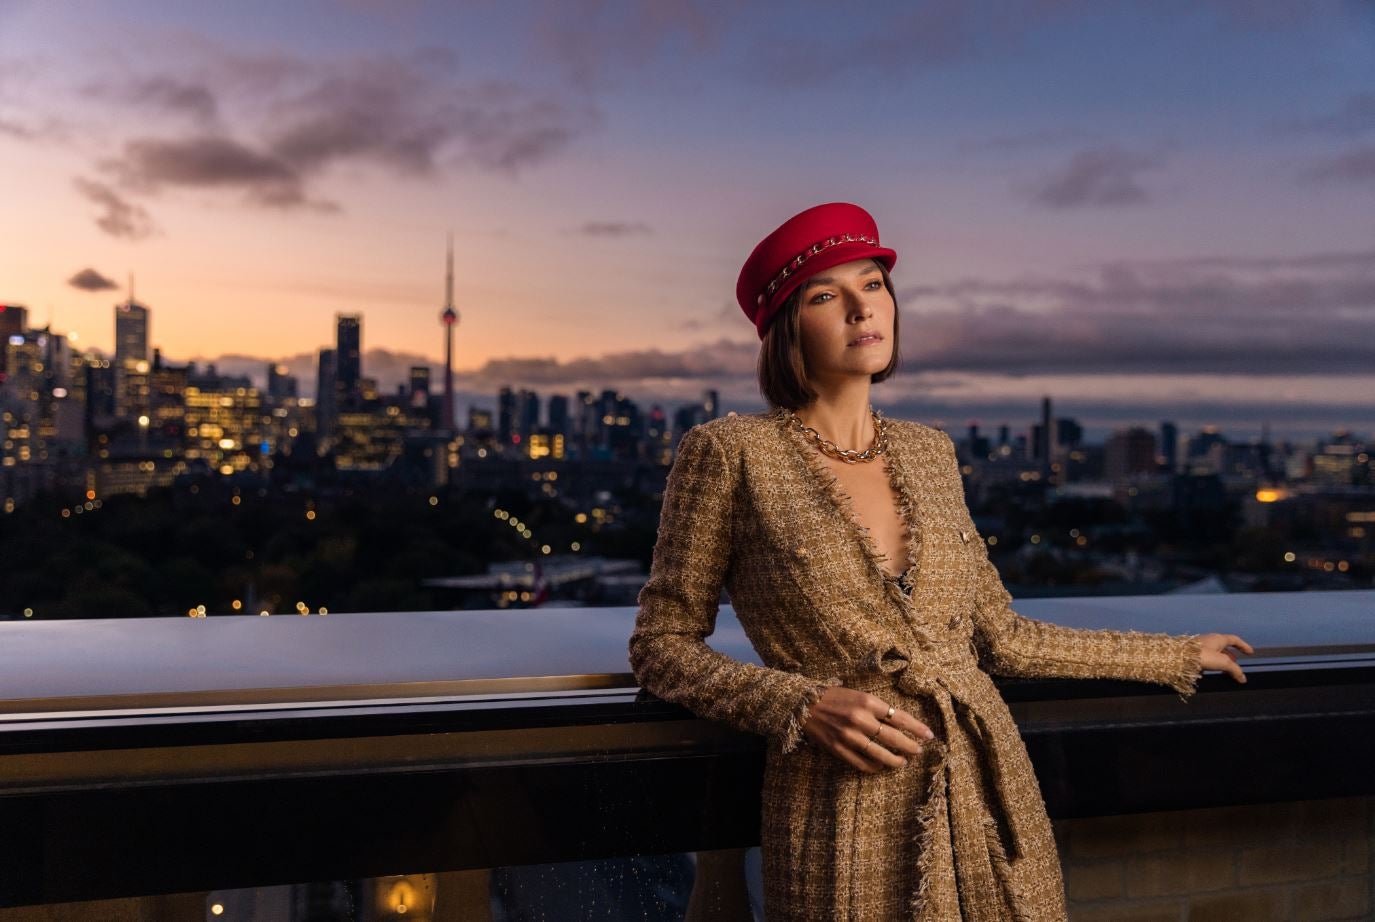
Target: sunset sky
<point>1154,210</point>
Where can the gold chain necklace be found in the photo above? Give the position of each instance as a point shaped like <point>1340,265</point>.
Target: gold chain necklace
<point>848,455</point>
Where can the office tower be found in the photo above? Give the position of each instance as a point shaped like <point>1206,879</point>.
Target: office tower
<point>529,412</point>
<point>1128,452</point>
<point>131,332</point>
<point>448,318</point>
<point>506,416</point>
<point>131,356</point>
<point>1169,447</point>
<point>1068,434</point>
<point>14,319</point>
<point>348,354</point>
<point>419,390</point>
<point>559,419</point>
<point>1046,453</point>
<point>280,384</point>
<point>100,390</point>
<point>711,403</point>
<point>326,382</point>
<point>480,420</point>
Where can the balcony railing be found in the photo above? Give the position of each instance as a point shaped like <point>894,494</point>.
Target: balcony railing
<point>160,756</point>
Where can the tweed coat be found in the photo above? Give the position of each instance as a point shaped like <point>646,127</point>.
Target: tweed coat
<point>961,831</point>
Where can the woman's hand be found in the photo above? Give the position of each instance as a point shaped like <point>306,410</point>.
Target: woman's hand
<point>1217,656</point>
<point>843,720</point>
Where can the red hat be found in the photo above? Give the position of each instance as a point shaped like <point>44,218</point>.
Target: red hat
<point>805,244</point>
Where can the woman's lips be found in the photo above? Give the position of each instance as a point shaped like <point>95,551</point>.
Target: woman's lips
<point>868,341</point>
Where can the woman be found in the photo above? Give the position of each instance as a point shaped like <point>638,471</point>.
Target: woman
<point>896,785</point>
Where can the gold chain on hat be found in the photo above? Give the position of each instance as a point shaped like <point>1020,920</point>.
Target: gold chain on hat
<point>848,455</point>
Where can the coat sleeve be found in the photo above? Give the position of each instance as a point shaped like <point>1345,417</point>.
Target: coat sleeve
<point>1013,645</point>
<point>678,607</point>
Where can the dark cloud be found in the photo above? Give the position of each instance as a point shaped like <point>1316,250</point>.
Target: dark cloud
<point>148,165</point>
<point>613,229</point>
<point>90,280</point>
<point>408,114</point>
<point>1299,316</point>
<point>119,217</point>
<point>1101,176</point>
<point>721,360</point>
<point>1356,165</point>
<point>162,93</point>
<point>1236,418</point>
<point>277,123</point>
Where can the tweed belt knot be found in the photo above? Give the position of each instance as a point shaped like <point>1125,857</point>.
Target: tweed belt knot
<point>942,672</point>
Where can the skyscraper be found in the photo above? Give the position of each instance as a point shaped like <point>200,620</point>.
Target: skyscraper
<point>449,319</point>
<point>1169,446</point>
<point>506,415</point>
<point>281,385</point>
<point>348,354</point>
<point>14,319</point>
<point>419,390</point>
<point>131,356</point>
<point>324,394</point>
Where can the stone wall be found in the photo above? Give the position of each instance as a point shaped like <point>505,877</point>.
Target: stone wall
<point>1287,862</point>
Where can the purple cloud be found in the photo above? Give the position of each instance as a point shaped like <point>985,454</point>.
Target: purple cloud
<point>1101,176</point>
<point>1356,165</point>
<point>119,217</point>
<point>90,280</point>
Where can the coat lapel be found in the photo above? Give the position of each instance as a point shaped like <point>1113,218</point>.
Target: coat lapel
<point>833,558</point>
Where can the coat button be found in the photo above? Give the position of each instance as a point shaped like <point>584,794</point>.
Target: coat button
<point>964,536</point>
<point>800,552</point>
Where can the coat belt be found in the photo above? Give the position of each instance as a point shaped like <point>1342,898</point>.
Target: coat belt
<point>939,681</point>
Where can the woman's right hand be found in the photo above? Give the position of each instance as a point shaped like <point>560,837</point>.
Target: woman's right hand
<point>843,719</point>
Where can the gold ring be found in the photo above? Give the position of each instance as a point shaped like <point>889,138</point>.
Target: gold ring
<point>889,715</point>
<point>876,733</point>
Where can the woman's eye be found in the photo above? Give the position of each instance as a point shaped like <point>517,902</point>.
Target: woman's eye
<point>874,284</point>
<point>819,299</point>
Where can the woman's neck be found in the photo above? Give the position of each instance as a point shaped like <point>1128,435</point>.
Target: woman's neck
<point>843,418</point>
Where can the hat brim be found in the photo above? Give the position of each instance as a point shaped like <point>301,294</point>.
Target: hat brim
<point>827,259</point>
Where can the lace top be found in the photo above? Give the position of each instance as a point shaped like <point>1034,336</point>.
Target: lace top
<point>903,580</point>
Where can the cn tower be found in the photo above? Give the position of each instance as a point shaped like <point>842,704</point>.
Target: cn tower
<point>449,318</point>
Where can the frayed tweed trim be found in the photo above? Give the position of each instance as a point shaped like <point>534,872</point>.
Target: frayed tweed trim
<point>792,736</point>
<point>1002,869</point>
<point>831,486</point>
<point>1185,681</point>
<point>933,806</point>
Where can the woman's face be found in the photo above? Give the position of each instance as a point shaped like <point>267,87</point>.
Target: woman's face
<point>837,307</point>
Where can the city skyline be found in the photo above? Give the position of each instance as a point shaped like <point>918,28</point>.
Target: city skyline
<point>1172,221</point>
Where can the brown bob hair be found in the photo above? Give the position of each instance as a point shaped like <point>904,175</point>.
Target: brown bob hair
<point>782,370</point>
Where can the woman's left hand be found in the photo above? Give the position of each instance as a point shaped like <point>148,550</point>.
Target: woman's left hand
<point>1216,654</point>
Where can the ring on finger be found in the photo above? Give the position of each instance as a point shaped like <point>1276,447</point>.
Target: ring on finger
<point>889,715</point>
<point>875,734</point>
